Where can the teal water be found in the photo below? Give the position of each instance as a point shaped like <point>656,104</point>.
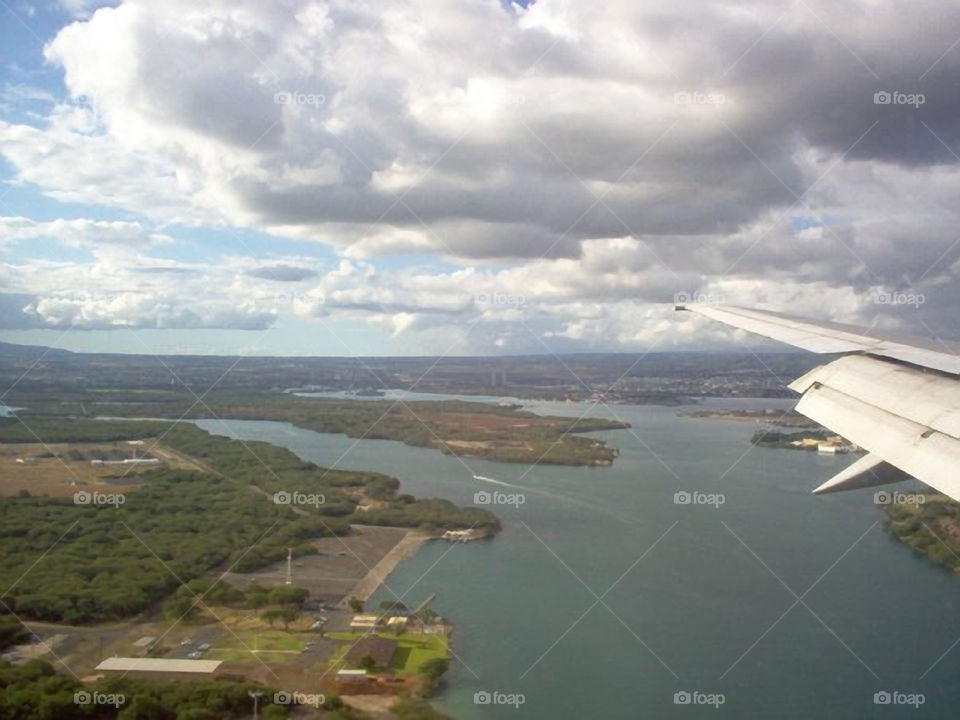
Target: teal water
<point>694,609</point>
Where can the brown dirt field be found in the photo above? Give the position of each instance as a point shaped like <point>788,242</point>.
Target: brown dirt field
<point>370,703</point>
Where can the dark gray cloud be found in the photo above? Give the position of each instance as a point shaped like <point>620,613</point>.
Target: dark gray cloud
<point>12,315</point>
<point>282,273</point>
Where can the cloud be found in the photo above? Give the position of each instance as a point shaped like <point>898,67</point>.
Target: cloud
<point>137,311</point>
<point>511,148</point>
<point>612,297</point>
<point>80,232</point>
<point>124,288</point>
<point>282,273</point>
<point>589,160</point>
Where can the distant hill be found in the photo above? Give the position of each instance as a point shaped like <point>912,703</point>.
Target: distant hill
<point>32,351</point>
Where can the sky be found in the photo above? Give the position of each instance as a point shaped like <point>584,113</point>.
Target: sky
<point>472,177</point>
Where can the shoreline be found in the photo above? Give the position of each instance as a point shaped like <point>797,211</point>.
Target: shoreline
<point>408,546</point>
<point>787,419</point>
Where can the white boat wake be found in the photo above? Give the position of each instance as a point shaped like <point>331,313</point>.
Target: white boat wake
<point>497,482</point>
<point>556,496</point>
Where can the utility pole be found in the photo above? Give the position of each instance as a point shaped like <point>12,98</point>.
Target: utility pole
<point>289,566</point>
<point>256,695</point>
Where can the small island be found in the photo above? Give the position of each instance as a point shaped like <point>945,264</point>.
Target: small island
<point>822,441</point>
<point>500,432</point>
<point>770,416</point>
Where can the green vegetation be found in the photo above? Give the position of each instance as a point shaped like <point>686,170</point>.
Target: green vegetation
<point>932,528</point>
<point>280,603</point>
<point>98,562</point>
<point>777,439</point>
<point>79,563</point>
<point>657,377</point>
<point>12,632</point>
<point>277,470</point>
<point>35,691</point>
<point>468,428</point>
<point>59,430</point>
<point>431,514</point>
<point>424,649</point>
<point>270,645</point>
<point>416,654</point>
<point>432,671</point>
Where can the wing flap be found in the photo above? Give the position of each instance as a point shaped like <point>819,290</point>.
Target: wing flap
<point>928,399</point>
<point>926,454</point>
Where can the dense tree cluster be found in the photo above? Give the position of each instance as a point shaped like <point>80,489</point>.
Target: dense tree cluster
<point>60,430</point>
<point>930,526</point>
<point>35,691</point>
<point>79,563</point>
<point>430,514</point>
<point>12,632</point>
<point>102,561</point>
<point>276,469</point>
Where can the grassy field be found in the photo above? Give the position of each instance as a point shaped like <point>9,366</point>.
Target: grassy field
<point>55,469</point>
<point>269,645</point>
<point>412,650</point>
<point>51,470</point>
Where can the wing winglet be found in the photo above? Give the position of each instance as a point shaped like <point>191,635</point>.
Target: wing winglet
<point>868,471</point>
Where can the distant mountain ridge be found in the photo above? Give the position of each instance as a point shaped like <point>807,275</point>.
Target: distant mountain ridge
<point>32,351</point>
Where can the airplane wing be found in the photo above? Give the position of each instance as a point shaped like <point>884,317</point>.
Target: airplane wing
<point>898,400</point>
